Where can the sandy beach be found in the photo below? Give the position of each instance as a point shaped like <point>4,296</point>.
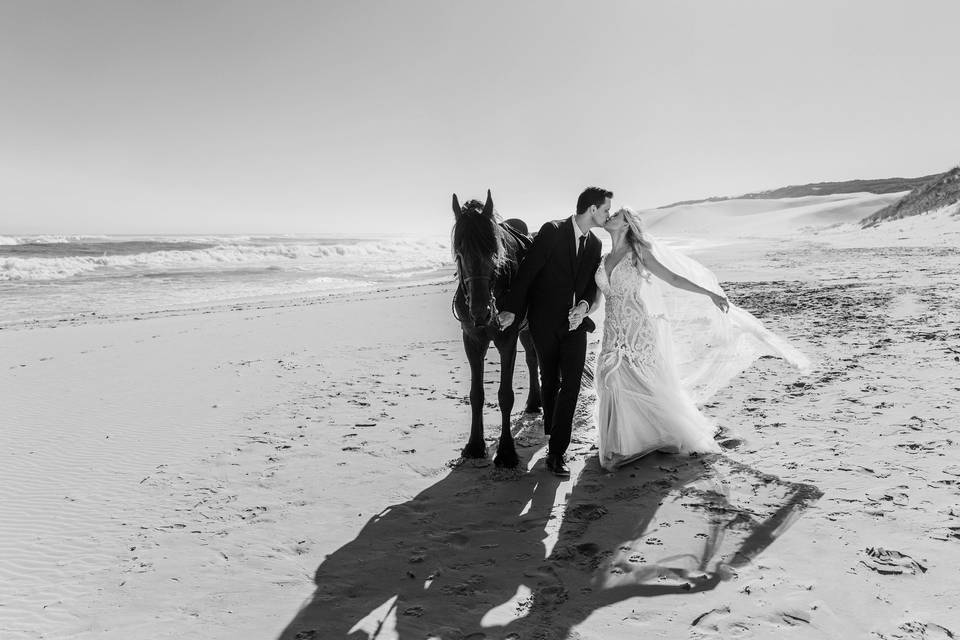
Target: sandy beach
<point>289,468</point>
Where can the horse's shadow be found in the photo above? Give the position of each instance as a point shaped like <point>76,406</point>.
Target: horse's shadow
<point>480,556</point>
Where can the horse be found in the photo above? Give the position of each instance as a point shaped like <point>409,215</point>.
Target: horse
<point>488,253</point>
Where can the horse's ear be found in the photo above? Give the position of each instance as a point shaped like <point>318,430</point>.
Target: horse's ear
<point>456,207</point>
<point>488,206</point>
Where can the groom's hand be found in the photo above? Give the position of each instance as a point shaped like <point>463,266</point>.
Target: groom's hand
<point>505,319</point>
<point>576,314</point>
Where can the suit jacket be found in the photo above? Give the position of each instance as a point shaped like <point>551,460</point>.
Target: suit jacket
<point>551,277</point>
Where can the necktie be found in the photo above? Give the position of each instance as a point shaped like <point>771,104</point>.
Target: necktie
<point>580,245</point>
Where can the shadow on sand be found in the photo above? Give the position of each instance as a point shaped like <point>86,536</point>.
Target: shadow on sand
<point>480,555</point>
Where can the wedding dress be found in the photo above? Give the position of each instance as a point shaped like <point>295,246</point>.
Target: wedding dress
<point>665,351</point>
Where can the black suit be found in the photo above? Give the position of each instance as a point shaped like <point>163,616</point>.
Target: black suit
<point>550,278</point>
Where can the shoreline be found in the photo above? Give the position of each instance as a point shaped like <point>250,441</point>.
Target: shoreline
<point>277,301</point>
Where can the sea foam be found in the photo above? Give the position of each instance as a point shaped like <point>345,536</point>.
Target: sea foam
<point>388,256</point>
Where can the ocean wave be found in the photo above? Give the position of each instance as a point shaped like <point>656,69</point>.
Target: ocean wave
<point>395,255</point>
<point>48,239</point>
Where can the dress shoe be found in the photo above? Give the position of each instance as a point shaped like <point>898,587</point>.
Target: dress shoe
<point>557,467</point>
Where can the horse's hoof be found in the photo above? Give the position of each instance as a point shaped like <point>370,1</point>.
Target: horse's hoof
<point>473,451</point>
<point>532,409</point>
<point>506,460</point>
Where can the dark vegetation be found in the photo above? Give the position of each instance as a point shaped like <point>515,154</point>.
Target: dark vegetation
<point>938,192</point>
<point>882,185</point>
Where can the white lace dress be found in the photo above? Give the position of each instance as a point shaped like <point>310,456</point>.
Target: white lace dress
<point>642,404</point>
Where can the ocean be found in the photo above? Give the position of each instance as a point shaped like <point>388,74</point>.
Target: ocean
<point>55,277</point>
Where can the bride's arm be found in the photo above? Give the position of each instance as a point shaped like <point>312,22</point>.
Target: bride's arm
<point>678,281</point>
<point>576,316</point>
<point>596,302</point>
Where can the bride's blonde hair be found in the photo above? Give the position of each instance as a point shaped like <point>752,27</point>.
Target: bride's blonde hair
<point>635,234</point>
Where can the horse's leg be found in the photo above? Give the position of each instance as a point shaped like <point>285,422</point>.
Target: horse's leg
<point>530,354</point>
<point>506,451</point>
<point>475,344</point>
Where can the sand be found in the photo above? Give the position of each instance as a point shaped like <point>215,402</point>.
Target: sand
<point>289,469</point>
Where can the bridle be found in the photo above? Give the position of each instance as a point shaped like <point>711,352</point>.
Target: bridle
<point>492,300</point>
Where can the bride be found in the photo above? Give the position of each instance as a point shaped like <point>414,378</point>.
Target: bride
<point>665,347</point>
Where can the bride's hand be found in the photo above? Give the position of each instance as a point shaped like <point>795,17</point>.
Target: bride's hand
<point>722,303</point>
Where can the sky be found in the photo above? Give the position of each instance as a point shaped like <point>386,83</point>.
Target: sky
<point>211,116</point>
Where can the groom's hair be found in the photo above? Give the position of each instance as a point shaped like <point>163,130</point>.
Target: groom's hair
<point>592,196</point>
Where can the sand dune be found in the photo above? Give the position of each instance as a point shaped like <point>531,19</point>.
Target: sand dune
<point>764,219</point>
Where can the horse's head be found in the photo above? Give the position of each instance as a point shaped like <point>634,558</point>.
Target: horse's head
<point>479,252</point>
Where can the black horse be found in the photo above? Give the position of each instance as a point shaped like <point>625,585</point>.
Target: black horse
<point>488,254</point>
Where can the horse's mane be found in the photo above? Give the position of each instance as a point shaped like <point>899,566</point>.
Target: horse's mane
<point>477,234</point>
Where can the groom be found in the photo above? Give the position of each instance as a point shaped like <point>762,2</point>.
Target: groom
<point>556,285</point>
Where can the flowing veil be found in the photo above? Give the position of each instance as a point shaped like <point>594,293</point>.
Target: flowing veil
<point>709,347</point>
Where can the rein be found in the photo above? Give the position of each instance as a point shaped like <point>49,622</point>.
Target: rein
<point>491,303</point>
<point>516,243</point>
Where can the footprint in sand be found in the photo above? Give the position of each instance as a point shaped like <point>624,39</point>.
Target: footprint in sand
<point>946,533</point>
<point>711,618</point>
<point>897,495</point>
<point>551,596</point>
<point>926,631</point>
<point>586,512</point>
<point>795,617</point>
<point>890,562</point>
<point>730,443</point>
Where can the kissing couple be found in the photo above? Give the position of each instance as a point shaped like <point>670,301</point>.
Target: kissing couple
<point>671,338</point>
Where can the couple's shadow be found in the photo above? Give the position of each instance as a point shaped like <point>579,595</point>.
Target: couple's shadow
<point>479,556</point>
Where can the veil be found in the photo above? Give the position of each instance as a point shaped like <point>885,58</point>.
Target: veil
<point>709,347</point>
